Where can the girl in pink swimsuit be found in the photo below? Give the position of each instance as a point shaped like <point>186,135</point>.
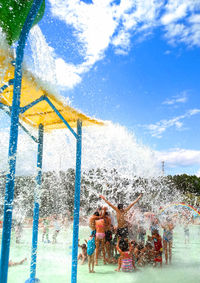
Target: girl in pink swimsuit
<point>100,238</point>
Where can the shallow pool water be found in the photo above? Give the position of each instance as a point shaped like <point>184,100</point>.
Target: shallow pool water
<point>54,262</point>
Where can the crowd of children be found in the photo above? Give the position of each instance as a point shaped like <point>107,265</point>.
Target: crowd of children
<point>126,244</point>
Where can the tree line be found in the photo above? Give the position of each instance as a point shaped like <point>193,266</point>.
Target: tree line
<point>57,191</point>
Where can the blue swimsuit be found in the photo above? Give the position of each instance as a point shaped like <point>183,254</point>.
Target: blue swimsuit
<point>168,235</point>
<point>91,246</point>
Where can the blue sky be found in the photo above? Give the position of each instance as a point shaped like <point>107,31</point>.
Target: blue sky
<point>135,63</point>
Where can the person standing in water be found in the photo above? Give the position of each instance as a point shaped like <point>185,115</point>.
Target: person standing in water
<point>96,216</point>
<point>168,227</point>
<point>57,229</point>
<point>108,234</point>
<point>100,238</point>
<point>121,213</point>
<point>91,246</point>
<point>45,230</point>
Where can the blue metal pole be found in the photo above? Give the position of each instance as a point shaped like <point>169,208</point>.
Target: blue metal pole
<point>10,179</point>
<point>32,278</point>
<point>60,116</point>
<point>76,203</point>
<point>21,126</point>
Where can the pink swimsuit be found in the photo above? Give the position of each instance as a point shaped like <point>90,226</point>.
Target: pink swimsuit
<point>100,236</point>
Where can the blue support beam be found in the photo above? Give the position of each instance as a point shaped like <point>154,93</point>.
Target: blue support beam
<point>10,82</point>
<point>25,108</point>
<point>76,203</point>
<point>60,116</point>
<point>32,278</point>
<point>3,107</point>
<point>10,179</point>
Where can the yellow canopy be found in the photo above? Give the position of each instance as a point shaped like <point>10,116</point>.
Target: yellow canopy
<point>32,89</point>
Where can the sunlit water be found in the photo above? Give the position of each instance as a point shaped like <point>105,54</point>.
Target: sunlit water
<point>54,262</point>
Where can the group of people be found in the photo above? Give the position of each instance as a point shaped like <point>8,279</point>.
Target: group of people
<point>120,245</point>
<point>53,223</point>
<point>47,223</point>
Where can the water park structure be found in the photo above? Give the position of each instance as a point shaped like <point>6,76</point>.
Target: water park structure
<point>26,101</point>
<point>58,200</point>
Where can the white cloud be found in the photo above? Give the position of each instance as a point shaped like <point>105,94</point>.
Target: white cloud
<point>175,10</point>
<point>94,24</point>
<point>179,157</point>
<point>177,99</point>
<point>157,129</point>
<point>181,21</point>
<point>105,23</point>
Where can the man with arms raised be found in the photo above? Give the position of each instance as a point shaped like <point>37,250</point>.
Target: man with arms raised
<point>121,213</point>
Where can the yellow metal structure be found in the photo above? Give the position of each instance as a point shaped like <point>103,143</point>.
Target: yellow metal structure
<point>31,90</point>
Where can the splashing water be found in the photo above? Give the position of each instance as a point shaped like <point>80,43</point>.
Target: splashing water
<point>43,57</point>
<point>113,163</point>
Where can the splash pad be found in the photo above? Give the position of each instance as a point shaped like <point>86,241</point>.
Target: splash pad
<point>54,262</point>
<point>41,118</point>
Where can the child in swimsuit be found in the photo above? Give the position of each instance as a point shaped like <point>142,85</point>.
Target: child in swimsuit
<point>146,255</point>
<point>100,239</point>
<point>11,263</point>
<point>83,254</point>
<point>45,230</point>
<point>157,247</point>
<point>168,239</point>
<point>125,261</point>
<point>57,229</point>
<point>108,235</point>
<point>154,225</point>
<point>90,251</point>
<point>96,216</point>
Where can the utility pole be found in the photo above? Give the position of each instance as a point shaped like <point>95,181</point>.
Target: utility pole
<point>163,168</point>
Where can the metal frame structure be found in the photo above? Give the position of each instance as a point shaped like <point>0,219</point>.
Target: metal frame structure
<point>14,111</point>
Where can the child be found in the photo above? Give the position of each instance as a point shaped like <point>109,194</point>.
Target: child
<point>137,251</point>
<point>45,230</point>
<point>57,228</point>
<point>146,255</point>
<point>108,234</point>
<point>157,247</point>
<point>96,216</point>
<point>83,255</point>
<point>90,251</point>
<point>168,227</point>
<point>11,263</point>
<point>18,231</point>
<point>100,239</point>
<point>154,225</point>
<point>126,256</point>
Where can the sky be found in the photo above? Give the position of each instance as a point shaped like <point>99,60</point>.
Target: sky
<point>132,62</point>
